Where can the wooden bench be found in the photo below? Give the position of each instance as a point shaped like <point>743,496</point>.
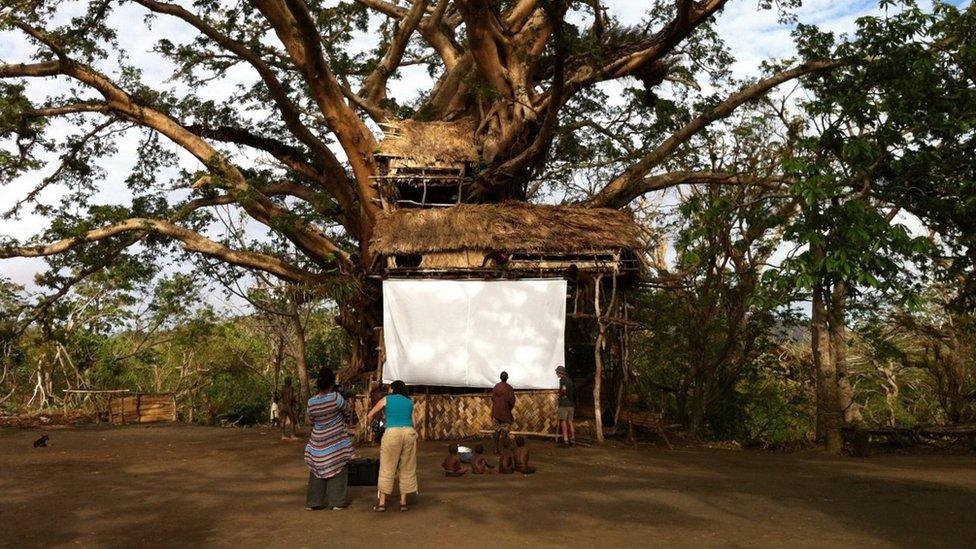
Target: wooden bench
<point>859,438</point>
<point>521,433</point>
<point>647,420</point>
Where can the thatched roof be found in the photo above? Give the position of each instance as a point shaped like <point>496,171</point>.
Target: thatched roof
<point>512,227</point>
<point>430,141</point>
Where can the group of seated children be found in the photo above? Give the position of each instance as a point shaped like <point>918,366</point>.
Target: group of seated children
<point>509,461</point>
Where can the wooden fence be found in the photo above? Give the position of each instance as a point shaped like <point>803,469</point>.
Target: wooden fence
<point>455,417</point>
<point>142,408</point>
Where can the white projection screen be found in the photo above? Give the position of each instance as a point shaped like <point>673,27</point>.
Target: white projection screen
<point>463,333</point>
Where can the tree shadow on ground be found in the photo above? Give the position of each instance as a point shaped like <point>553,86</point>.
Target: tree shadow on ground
<point>193,486</point>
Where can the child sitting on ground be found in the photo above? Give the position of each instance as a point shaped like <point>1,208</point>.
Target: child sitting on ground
<point>522,457</point>
<point>480,465</point>
<point>452,463</point>
<point>506,460</point>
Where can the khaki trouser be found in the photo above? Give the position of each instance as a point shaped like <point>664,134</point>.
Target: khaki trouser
<point>398,458</point>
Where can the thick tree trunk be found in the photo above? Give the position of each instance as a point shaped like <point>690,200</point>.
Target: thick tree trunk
<point>598,388</point>
<point>696,412</point>
<point>624,376</point>
<point>832,413</point>
<point>891,392</point>
<point>300,357</point>
<point>361,318</point>
<point>820,427</point>
<point>279,357</point>
<point>948,365</point>
<point>837,322</point>
<point>682,399</point>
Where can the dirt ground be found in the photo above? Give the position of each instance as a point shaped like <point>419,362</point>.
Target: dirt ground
<point>184,486</point>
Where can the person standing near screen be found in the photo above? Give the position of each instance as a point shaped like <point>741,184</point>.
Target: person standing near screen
<point>398,447</point>
<point>567,405</point>
<point>502,403</point>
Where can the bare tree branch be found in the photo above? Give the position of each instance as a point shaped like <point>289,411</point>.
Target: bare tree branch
<point>374,86</point>
<point>318,246</point>
<point>622,188</point>
<point>334,172</point>
<point>689,16</point>
<point>387,8</point>
<point>70,108</point>
<point>297,31</point>
<point>191,241</point>
<point>16,70</point>
<point>68,158</point>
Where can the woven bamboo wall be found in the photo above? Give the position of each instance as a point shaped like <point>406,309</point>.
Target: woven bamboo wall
<point>453,417</point>
<point>142,408</point>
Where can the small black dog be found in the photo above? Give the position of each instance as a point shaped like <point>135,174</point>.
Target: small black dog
<point>42,442</point>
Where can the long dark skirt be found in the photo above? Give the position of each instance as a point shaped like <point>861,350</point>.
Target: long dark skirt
<point>327,491</point>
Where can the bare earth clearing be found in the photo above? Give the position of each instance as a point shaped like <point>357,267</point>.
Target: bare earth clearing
<point>182,485</point>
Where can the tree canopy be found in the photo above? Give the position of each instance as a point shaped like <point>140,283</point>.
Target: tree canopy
<point>256,135</point>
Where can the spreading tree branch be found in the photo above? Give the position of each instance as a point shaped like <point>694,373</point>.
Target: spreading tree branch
<point>626,186</point>
<point>190,240</point>
<point>335,181</point>
<point>374,86</point>
<point>296,30</point>
<point>311,240</point>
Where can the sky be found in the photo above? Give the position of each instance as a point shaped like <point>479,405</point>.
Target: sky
<point>752,35</point>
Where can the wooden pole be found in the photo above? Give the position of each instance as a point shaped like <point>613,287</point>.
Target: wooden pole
<point>426,412</point>
<point>622,335</point>
<point>598,360</point>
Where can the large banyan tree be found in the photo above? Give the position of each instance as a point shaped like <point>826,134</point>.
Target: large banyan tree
<point>290,140</point>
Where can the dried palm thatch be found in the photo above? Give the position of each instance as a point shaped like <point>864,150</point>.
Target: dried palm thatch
<point>511,227</point>
<point>428,142</point>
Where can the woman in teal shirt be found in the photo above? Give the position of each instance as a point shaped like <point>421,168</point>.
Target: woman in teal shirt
<point>398,448</point>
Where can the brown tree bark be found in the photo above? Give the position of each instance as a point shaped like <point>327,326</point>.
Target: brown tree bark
<point>301,365</point>
<point>837,322</point>
<point>279,356</point>
<point>829,405</point>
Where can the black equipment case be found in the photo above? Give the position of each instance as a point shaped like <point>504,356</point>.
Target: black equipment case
<point>363,472</point>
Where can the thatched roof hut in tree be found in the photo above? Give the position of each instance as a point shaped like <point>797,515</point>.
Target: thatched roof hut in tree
<point>599,252</point>
<point>426,164</point>
<point>508,239</point>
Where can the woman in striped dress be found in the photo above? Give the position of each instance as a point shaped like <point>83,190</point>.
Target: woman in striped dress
<point>329,447</point>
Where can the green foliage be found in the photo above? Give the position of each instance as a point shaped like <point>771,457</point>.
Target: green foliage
<point>236,399</point>
<point>326,344</point>
<point>894,129</point>
<point>918,365</point>
<point>774,405</point>
<point>711,336</point>
<point>106,335</point>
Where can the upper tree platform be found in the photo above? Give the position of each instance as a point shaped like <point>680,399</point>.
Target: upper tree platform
<point>426,164</point>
